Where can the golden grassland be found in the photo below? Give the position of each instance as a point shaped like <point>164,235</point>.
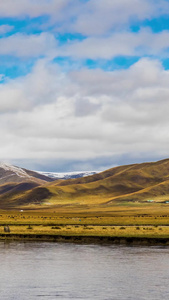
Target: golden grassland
<point>89,230</point>
<point>123,202</point>
<point>138,221</point>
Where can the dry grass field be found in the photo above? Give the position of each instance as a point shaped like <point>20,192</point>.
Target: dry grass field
<point>126,201</point>
<point>122,222</point>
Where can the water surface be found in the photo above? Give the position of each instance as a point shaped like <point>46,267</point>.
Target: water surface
<point>36,270</point>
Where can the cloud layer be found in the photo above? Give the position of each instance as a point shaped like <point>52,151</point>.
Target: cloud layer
<point>85,114</point>
<point>71,104</point>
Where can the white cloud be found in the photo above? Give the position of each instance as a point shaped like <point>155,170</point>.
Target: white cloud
<point>101,43</point>
<point>5,28</point>
<point>123,43</point>
<point>21,45</point>
<point>142,43</point>
<point>85,114</point>
<point>32,8</point>
<point>100,16</point>
<point>94,17</point>
<point>41,86</point>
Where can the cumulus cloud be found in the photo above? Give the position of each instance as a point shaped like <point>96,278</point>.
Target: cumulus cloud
<point>100,16</point>
<point>22,45</point>
<point>42,85</point>
<point>35,8</point>
<point>85,114</point>
<point>94,17</point>
<point>123,43</point>
<point>145,42</point>
<point>5,28</point>
<point>86,106</point>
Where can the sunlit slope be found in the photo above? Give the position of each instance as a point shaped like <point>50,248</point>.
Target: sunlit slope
<point>132,183</point>
<point>141,174</point>
<point>22,194</point>
<point>137,182</point>
<point>15,182</point>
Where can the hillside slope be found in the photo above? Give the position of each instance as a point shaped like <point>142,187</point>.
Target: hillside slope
<point>15,182</point>
<point>9,173</point>
<point>124,184</point>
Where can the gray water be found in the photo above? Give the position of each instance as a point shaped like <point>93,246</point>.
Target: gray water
<point>71,271</point>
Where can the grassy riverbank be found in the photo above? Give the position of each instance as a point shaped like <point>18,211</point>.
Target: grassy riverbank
<point>117,225</point>
<point>88,230</point>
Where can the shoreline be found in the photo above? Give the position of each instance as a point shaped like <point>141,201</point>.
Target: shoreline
<point>121,229</point>
<point>104,240</point>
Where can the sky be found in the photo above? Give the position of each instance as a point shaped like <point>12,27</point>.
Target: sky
<point>84,84</point>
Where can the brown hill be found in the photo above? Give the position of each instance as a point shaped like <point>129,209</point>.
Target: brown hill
<point>15,182</point>
<point>9,173</point>
<point>120,185</point>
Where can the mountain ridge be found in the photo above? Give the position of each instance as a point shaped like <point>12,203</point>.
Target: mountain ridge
<point>67,175</point>
<point>10,173</point>
<point>123,184</point>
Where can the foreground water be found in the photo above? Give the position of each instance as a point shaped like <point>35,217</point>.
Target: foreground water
<point>70,271</point>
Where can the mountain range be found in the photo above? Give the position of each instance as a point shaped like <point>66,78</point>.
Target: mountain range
<point>68,175</point>
<point>123,185</point>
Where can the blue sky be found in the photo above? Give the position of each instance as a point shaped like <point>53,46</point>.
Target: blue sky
<point>27,24</point>
<point>83,84</point>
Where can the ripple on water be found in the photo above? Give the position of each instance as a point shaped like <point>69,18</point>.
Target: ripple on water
<point>70,271</point>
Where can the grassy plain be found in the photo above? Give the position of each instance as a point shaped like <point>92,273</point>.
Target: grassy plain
<point>123,202</point>
<point>138,221</point>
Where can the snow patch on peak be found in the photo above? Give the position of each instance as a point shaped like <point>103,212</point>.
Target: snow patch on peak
<point>16,170</point>
<point>68,175</point>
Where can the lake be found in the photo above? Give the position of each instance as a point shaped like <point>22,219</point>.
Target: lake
<point>35,270</point>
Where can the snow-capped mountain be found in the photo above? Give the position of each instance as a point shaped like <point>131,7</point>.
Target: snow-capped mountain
<point>10,173</point>
<point>67,175</point>
<point>12,170</point>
